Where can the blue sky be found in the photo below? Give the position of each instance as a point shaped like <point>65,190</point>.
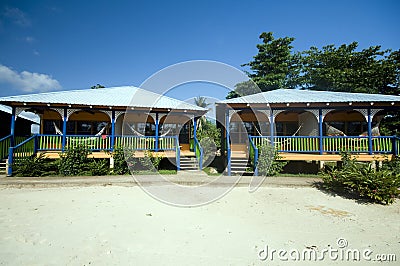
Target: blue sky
<point>62,45</point>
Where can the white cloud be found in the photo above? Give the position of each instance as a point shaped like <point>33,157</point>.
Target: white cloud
<point>29,39</point>
<point>17,16</point>
<point>27,82</point>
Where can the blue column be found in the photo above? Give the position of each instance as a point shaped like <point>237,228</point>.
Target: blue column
<point>112,130</point>
<point>271,126</point>
<point>64,136</point>
<point>321,133</point>
<point>11,149</point>
<point>194,133</point>
<point>157,131</point>
<point>369,132</point>
<point>228,148</point>
<point>12,131</point>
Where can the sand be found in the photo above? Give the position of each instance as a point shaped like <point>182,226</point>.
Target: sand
<point>122,225</point>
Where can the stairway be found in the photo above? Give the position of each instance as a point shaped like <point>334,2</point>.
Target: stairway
<point>189,163</point>
<point>3,169</point>
<point>239,166</point>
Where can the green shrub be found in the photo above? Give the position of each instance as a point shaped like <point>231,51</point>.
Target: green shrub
<point>98,167</point>
<point>151,161</point>
<point>75,161</point>
<point>124,161</point>
<point>34,166</point>
<point>268,161</point>
<point>380,186</point>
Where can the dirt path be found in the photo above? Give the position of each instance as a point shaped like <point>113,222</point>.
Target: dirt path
<point>122,225</point>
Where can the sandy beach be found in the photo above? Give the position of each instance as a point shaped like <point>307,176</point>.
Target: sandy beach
<point>122,225</point>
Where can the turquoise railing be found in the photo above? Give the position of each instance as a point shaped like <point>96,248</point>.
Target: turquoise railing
<point>199,152</point>
<point>253,153</point>
<point>177,154</point>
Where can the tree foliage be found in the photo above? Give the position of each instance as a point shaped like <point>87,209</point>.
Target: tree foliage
<point>344,68</point>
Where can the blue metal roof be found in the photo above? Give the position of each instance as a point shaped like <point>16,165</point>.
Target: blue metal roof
<point>127,96</point>
<point>311,96</point>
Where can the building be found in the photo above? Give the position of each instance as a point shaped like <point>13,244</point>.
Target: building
<point>103,119</point>
<point>306,125</point>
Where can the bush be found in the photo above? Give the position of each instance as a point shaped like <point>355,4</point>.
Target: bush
<point>268,164</point>
<point>98,167</point>
<point>33,166</point>
<point>150,161</point>
<point>380,186</point>
<point>75,161</point>
<point>124,161</point>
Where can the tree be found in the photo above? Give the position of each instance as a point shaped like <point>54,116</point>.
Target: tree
<point>343,68</point>
<point>98,86</point>
<point>201,101</point>
<point>243,88</point>
<point>274,66</point>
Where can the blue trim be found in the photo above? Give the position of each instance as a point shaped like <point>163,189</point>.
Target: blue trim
<point>178,154</point>
<point>6,137</point>
<point>369,132</point>
<point>255,164</point>
<point>321,133</point>
<point>112,129</point>
<point>157,137</point>
<point>64,138</point>
<point>11,149</point>
<point>228,145</point>
<point>194,132</point>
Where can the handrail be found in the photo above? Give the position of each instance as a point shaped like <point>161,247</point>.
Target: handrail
<point>228,155</point>
<point>4,146</point>
<point>199,152</point>
<point>177,154</point>
<point>253,151</point>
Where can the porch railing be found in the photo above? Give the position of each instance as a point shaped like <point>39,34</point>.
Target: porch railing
<point>336,144</point>
<point>253,153</point>
<point>100,143</point>
<point>4,146</point>
<point>199,152</point>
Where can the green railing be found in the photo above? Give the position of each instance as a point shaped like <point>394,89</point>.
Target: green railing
<point>291,144</point>
<point>4,146</point>
<point>95,143</point>
<point>50,142</point>
<point>253,153</point>
<point>343,143</point>
<point>199,152</point>
<point>310,144</point>
<point>26,148</point>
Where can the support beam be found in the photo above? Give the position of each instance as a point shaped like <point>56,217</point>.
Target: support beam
<point>227,143</point>
<point>194,133</point>
<point>271,126</point>
<point>11,149</point>
<point>64,136</point>
<point>369,132</point>
<point>112,130</point>
<point>321,133</point>
<point>157,137</point>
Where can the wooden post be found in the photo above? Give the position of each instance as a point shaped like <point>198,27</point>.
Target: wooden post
<point>321,133</point>
<point>64,136</point>
<point>112,130</point>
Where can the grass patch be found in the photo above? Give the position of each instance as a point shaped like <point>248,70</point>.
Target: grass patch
<point>211,171</point>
